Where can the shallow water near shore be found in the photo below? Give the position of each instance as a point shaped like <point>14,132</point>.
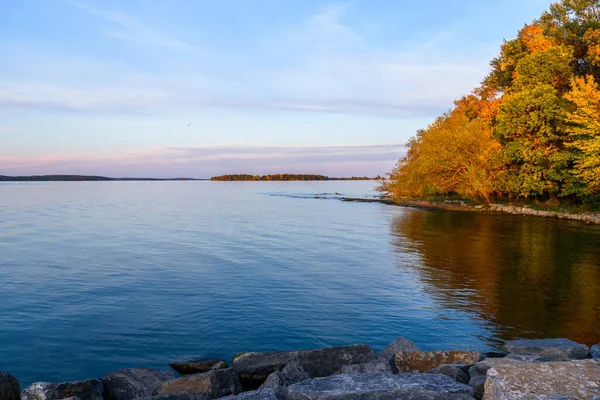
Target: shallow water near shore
<point>96,276</point>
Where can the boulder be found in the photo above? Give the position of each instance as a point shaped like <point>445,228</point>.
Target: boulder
<point>208,385</point>
<point>90,389</point>
<point>551,380</point>
<point>197,367</point>
<point>262,394</point>
<point>373,367</point>
<point>454,371</point>
<point>9,387</point>
<point>549,349</point>
<point>72,398</point>
<point>173,396</point>
<point>421,361</point>
<point>292,373</point>
<point>478,372</point>
<point>595,351</point>
<point>388,354</point>
<point>380,387</point>
<point>130,383</point>
<point>254,368</point>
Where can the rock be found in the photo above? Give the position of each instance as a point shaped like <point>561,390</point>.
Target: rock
<point>90,389</point>
<point>197,367</point>
<point>173,396</point>
<point>573,380</point>
<point>380,387</point>
<point>9,387</point>
<point>373,367</point>
<point>595,351</point>
<point>388,354</point>
<point>478,385</point>
<point>72,398</point>
<point>208,385</point>
<point>262,394</point>
<point>254,368</point>
<point>479,370</point>
<point>495,354</point>
<point>421,361</point>
<point>454,371</point>
<point>131,383</point>
<point>292,373</point>
<point>549,349</point>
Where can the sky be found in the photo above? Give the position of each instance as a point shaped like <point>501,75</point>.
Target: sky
<point>197,88</point>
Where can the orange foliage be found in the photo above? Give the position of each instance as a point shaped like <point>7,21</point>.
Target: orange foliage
<point>534,39</point>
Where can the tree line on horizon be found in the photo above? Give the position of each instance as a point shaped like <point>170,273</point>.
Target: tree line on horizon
<point>284,177</point>
<point>531,130</point>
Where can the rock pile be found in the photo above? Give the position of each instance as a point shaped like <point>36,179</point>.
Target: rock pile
<point>527,369</point>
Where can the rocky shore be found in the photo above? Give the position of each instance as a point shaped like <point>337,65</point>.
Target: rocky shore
<point>458,205</point>
<point>557,369</point>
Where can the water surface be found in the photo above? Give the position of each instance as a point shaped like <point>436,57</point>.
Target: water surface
<point>96,276</point>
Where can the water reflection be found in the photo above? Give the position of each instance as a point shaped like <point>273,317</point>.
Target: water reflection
<point>528,277</point>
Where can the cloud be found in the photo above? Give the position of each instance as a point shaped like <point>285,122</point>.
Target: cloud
<point>215,160</point>
<point>326,63</point>
<point>133,30</point>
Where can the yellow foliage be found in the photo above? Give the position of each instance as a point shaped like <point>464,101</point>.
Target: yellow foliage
<point>454,154</point>
<point>585,130</point>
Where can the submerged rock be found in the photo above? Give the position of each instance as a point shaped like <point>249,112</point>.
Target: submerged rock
<point>9,387</point>
<point>373,367</point>
<point>381,387</point>
<point>549,349</point>
<point>254,368</point>
<point>550,380</point>
<point>90,389</point>
<point>208,385</point>
<point>292,373</point>
<point>131,383</point>
<point>421,361</point>
<point>197,367</point>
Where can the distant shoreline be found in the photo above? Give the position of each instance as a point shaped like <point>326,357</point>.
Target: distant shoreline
<point>222,178</point>
<point>81,178</point>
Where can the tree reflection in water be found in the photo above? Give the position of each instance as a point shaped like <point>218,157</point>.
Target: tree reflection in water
<point>528,277</point>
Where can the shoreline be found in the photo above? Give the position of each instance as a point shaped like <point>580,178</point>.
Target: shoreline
<point>457,205</point>
<point>523,369</point>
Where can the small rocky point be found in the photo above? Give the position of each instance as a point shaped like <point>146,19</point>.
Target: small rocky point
<point>528,369</point>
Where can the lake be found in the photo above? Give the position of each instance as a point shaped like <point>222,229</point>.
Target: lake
<point>96,276</point>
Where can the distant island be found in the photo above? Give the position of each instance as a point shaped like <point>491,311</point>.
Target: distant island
<point>68,178</point>
<point>287,177</point>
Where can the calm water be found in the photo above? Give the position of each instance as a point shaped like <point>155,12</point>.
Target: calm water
<point>96,276</point>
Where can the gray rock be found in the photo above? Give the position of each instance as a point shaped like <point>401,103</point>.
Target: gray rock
<point>131,383</point>
<point>454,371</point>
<point>173,396</point>
<point>595,351</point>
<point>574,380</point>
<point>292,373</point>
<point>9,387</point>
<point>90,389</point>
<point>72,398</point>
<point>549,349</point>
<point>197,367</point>
<point>254,368</point>
<point>262,394</point>
<point>208,385</point>
<point>380,387</point>
<point>421,361</point>
<point>399,344</point>
<point>478,385</point>
<point>373,367</point>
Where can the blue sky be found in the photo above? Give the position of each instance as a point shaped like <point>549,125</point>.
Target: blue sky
<point>266,86</point>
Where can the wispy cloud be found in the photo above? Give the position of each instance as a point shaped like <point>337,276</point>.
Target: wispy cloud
<point>128,28</point>
<point>213,160</point>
